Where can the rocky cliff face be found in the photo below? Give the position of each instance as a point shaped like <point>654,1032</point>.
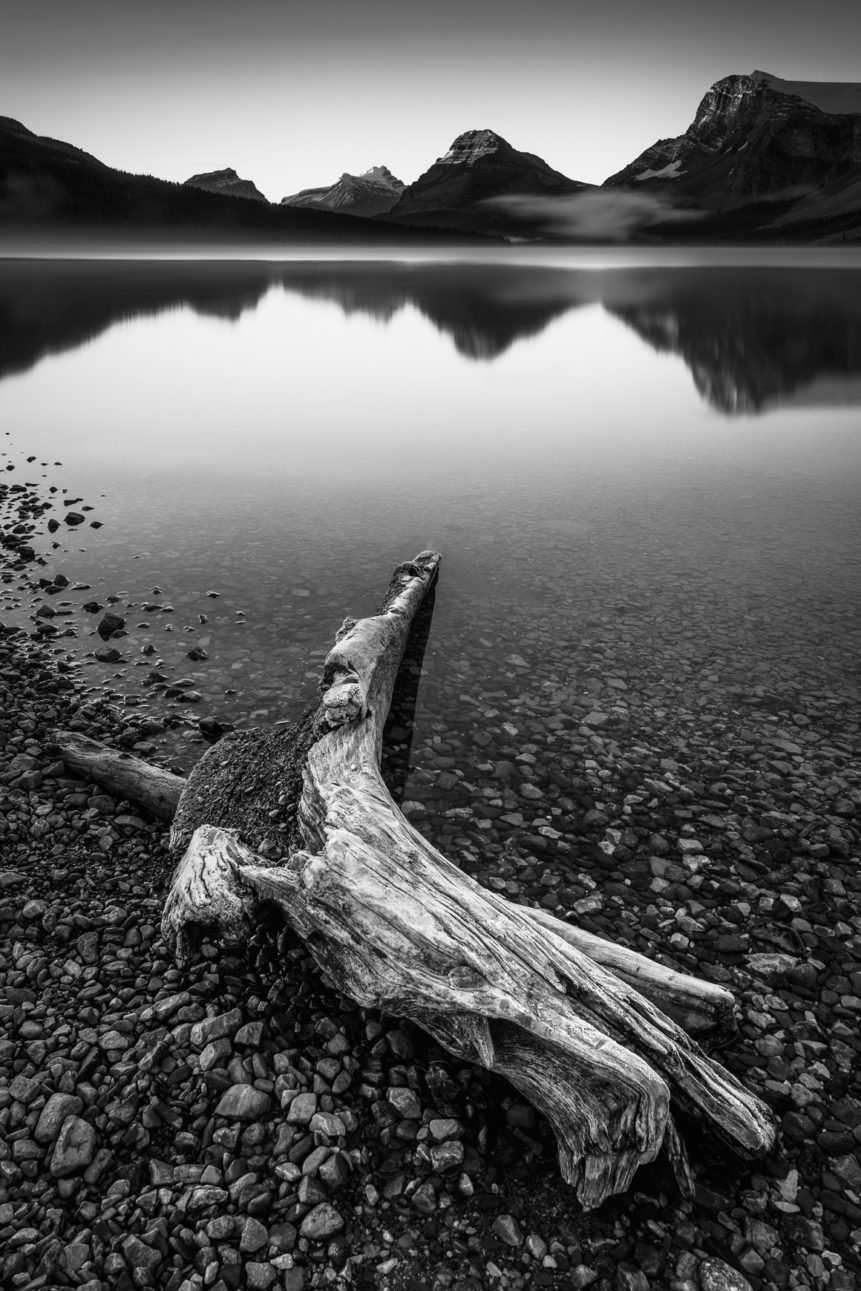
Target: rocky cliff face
<point>463,188</point>
<point>756,138</point>
<point>373,193</point>
<point>226,181</point>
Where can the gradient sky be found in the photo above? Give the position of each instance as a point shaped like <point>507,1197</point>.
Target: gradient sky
<point>292,94</point>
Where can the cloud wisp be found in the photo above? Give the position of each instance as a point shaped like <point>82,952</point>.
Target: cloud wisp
<point>606,215</point>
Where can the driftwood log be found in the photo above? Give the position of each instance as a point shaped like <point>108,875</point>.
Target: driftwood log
<point>122,774</point>
<point>597,1037</point>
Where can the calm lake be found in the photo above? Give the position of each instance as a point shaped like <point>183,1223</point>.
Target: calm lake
<point>643,478</point>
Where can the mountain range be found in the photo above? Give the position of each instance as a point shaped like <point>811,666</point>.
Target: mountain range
<point>795,145</point>
<point>373,193</point>
<point>764,159</point>
<point>54,194</point>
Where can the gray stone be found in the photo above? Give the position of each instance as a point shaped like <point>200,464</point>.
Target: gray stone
<point>771,963</point>
<point>114,1040</point>
<point>205,1196</point>
<point>445,1127</point>
<point>74,1149</point>
<point>250,1033</point>
<point>444,1156</point>
<point>52,1115</point>
<point>334,1172</point>
<point>141,1256</point>
<point>282,1237</point>
<point>259,1276</point>
<point>24,1089</point>
<point>76,1255</point>
<point>716,1275</point>
<point>630,1279</point>
<point>405,1102</point>
<point>302,1109</point>
<point>424,1198</point>
<point>327,1123</point>
<point>321,1222</point>
<point>848,1171</point>
<point>109,624</point>
<point>243,1103</point>
<point>507,1229</point>
<point>254,1236</point>
<point>215,1028</point>
<point>536,1246</point>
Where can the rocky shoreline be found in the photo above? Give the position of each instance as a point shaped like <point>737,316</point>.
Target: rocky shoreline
<point>240,1125</point>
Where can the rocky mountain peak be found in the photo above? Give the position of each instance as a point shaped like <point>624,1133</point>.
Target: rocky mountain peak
<point>226,181</point>
<point>372,193</point>
<point>470,146</point>
<point>757,138</point>
<point>381,175</point>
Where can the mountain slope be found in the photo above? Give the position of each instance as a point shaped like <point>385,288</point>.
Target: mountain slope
<point>373,193</point>
<point>226,181</point>
<point>54,194</point>
<point>468,186</point>
<point>756,138</point>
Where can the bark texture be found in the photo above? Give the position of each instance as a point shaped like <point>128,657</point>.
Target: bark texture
<point>308,825</point>
<point>122,774</point>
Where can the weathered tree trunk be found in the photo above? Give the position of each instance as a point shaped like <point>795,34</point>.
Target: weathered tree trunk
<point>122,774</point>
<point>703,1009</point>
<point>301,819</point>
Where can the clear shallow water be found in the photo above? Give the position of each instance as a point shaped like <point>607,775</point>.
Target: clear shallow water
<point>647,473</point>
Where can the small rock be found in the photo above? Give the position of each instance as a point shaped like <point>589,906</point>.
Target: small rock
<point>206,1196</point>
<point>109,624</point>
<point>445,1127</point>
<point>445,1156</point>
<point>716,1275</point>
<point>74,1149</point>
<point>508,1230</point>
<point>259,1276</point>
<point>424,1198</point>
<point>53,1114</point>
<point>141,1256</point>
<point>254,1236</point>
<point>631,1279</point>
<point>244,1103</point>
<point>302,1109</point>
<point>327,1123</point>
<point>536,1246</point>
<point>321,1222</point>
<point>405,1102</point>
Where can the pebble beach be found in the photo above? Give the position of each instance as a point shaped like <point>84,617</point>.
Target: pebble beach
<point>671,763</point>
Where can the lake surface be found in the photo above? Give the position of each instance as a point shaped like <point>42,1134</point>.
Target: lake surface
<point>643,479</point>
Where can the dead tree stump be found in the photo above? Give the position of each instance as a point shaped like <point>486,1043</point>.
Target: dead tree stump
<point>597,1037</point>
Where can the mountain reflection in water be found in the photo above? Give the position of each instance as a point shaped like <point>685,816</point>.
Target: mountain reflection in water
<point>752,338</point>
